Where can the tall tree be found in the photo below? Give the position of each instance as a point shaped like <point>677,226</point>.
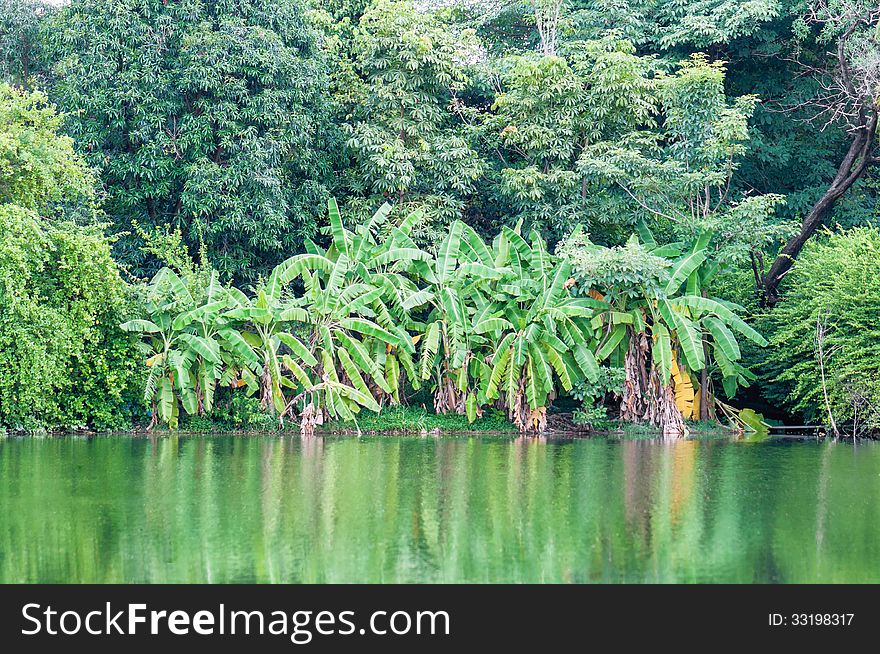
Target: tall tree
<point>63,362</point>
<point>21,44</point>
<point>402,133</point>
<point>206,116</point>
<point>848,79</point>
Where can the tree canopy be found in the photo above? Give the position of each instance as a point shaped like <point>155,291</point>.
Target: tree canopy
<point>711,140</point>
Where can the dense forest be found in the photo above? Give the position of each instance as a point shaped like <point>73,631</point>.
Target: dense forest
<point>249,213</point>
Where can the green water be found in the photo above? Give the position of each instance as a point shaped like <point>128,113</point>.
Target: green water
<point>437,510</point>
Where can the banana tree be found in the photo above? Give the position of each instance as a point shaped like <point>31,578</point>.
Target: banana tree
<point>452,352</point>
<point>662,326</point>
<point>259,343</point>
<point>503,327</point>
<point>714,321</point>
<point>205,322</point>
<point>543,334</point>
<point>355,308</point>
<point>180,343</point>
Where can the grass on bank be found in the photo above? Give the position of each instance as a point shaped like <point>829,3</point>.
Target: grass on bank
<point>418,420</point>
<point>243,414</point>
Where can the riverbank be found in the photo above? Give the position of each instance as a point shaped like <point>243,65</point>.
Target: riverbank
<point>628,431</point>
<point>397,421</point>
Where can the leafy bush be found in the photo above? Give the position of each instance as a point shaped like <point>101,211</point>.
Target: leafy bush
<point>592,395</point>
<point>63,360</point>
<point>233,411</point>
<point>834,283</point>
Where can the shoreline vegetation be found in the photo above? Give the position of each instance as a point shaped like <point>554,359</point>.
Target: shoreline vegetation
<point>400,421</point>
<point>231,216</point>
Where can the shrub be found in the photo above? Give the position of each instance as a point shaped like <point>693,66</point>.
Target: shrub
<point>834,283</point>
<point>63,360</point>
<point>233,411</point>
<point>593,396</point>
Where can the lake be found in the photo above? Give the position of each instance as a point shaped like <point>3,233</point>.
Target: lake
<point>281,509</point>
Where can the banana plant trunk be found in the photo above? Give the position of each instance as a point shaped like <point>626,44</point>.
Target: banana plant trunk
<point>633,404</point>
<point>266,401</point>
<point>646,399</point>
<point>448,398</point>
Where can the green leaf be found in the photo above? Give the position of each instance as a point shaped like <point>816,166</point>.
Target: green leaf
<point>559,366</point>
<point>140,326</point>
<point>198,314</point>
<point>707,305</point>
<point>471,407</point>
<point>205,348</point>
<point>492,324</point>
<point>684,267</point>
<point>417,299</point>
<point>447,253</point>
<point>662,351</point>
<point>689,339</point>
<point>351,370</point>
<point>252,314</point>
<point>336,228</point>
<point>299,374</point>
<point>380,217</point>
<point>364,399</point>
<point>430,344</point>
<point>611,343</point>
<point>167,402</point>
<point>294,267</point>
<point>362,357</point>
<point>499,366</point>
<point>411,220</point>
<point>371,329</point>
<point>722,337</point>
<point>587,362</point>
<point>395,255</point>
<point>298,348</point>
<point>477,246</point>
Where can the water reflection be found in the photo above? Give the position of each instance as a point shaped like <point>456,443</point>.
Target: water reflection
<point>437,510</point>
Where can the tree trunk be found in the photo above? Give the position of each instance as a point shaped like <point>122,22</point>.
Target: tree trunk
<point>665,413</point>
<point>857,159</point>
<point>633,403</point>
<point>646,399</point>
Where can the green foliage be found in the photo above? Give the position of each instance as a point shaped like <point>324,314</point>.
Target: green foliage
<point>680,177</point>
<point>492,325</point>
<point>233,411</point>
<point>504,327</point>
<point>183,330</point>
<point>63,361</point>
<point>594,396</point>
<point>665,24</point>
<point>202,116</point>
<point>551,109</point>
<point>418,420</point>
<point>39,169</point>
<point>22,49</point>
<point>222,127</point>
<point>834,283</point>
<point>657,320</point>
<point>407,68</point>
